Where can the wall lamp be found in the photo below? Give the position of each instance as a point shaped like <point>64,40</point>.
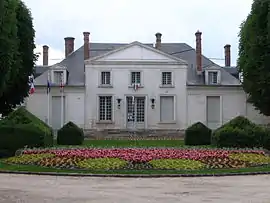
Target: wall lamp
<point>152,103</point>
<point>118,102</point>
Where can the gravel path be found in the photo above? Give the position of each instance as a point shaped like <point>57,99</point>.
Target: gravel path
<point>49,189</point>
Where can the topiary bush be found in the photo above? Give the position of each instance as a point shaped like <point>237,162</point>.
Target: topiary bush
<point>14,137</point>
<point>198,134</point>
<point>22,116</point>
<point>241,133</point>
<point>70,134</point>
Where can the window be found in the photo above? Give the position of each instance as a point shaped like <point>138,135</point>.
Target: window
<point>213,77</point>
<point>167,108</point>
<point>105,108</point>
<point>136,77</point>
<point>58,76</point>
<point>106,78</point>
<point>166,78</point>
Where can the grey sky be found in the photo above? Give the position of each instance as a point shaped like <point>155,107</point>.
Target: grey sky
<point>139,20</point>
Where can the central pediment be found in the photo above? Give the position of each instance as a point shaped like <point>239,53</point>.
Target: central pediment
<point>137,52</point>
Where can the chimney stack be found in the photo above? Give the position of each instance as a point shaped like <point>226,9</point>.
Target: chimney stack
<point>198,35</point>
<point>158,40</point>
<point>86,45</point>
<point>45,55</point>
<point>69,45</point>
<point>227,49</point>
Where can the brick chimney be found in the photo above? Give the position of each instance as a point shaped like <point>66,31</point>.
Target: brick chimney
<point>45,55</point>
<point>86,45</point>
<point>69,45</point>
<point>158,40</point>
<point>227,49</point>
<point>198,35</point>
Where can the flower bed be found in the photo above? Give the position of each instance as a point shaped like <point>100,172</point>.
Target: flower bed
<point>141,159</point>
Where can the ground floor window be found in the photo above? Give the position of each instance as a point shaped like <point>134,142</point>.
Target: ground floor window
<point>105,108</point>
<point>167,108</point>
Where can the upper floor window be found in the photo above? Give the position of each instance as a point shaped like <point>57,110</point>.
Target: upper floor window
<point>212,77</point>
<point>166,78</point>
<point>58,77</point>
<point>106,78</point>
<point>135,77</point>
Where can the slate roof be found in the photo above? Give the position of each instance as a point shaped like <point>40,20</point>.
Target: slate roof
<point>75,63</point>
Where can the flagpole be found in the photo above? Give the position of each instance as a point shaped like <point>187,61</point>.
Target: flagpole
<point>62,100</point>
<point>48,95</point>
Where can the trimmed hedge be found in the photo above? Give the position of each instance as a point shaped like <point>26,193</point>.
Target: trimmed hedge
<point>198,134</point>
<point>14,137</point>
<point>241,133</point>
<point>70,134</point>
<point>21,126</point>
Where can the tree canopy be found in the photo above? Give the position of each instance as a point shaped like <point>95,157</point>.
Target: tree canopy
<point>21,60</point>
<point>254,55</point>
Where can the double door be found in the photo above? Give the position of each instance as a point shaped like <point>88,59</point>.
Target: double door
<point>135,112</point>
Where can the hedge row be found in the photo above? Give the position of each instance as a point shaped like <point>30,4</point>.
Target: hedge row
<point>237,133</point>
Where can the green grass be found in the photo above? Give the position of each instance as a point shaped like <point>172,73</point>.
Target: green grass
<point>30,168</point>
<point>133,144</point>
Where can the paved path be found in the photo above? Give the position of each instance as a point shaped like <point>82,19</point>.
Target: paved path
<point>36,189</point>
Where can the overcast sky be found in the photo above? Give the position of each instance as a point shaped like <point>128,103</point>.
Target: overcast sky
<point>138,20</point>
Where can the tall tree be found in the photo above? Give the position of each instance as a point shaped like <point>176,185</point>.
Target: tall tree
<point>8,40</point>
<point>17,85</point>
<point>254,55</point>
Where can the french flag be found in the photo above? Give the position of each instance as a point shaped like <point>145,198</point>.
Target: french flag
<point>48,84</point>
<point>31,84</point>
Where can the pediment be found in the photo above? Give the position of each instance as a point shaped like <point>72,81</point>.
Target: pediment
<point>137,52</point>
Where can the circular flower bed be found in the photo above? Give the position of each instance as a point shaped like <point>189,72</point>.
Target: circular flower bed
<point>141,159</point>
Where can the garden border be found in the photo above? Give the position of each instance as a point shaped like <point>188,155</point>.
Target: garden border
<point>132,175</point>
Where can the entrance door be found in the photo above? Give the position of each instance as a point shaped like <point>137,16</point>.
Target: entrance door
<point>56,112</point>
<point>135,112</point>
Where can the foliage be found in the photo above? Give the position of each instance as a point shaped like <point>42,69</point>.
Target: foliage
<point>24,62</point>
<point>251,158</point>
<point>198,134</point>
<point>70,134</point>
<point>14,137</point>
<point>27,158</point>
<point>241,133</point>
<point>253,61</point>
<point>102,163</point>
<point>225,162</point>
<point>60,162</point>
<point>177,164</point>
<point>22,116</point>
<point>8,42</point>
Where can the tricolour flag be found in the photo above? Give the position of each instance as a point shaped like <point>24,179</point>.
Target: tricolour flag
<point>48,84</point>
<point>31,84</point>
<point>62,83</point>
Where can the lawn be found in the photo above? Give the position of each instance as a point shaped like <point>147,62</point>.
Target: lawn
<point>132,143</point>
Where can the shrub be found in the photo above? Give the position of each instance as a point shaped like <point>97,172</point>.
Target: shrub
<point>14,137</point>
<point>70,134</point>
<point>231,137</point>
<point>198,134</point>
<point>22,116</point>
<point>240,133</point>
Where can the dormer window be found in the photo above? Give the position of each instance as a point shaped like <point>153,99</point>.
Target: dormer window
<point>212,77</point>
<point>59,76</point>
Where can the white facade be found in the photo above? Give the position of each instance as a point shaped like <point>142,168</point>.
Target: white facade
<point>146,109</point>
<point>110,101</point>
<point>73,109</point>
